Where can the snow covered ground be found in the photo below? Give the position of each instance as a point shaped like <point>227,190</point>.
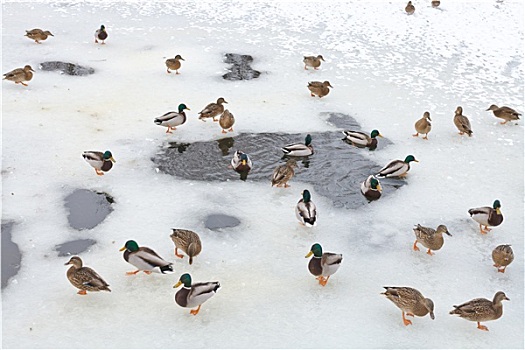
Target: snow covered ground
<point>387,68</point>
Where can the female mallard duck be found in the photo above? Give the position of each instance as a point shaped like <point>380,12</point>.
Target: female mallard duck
<point>410,9</point>
<point>195,294</point>
<point>300,149</point>
<point>502,256</point>
<point>312,61</point>
<point>226,121</point>
<point>323,264</point>
<point>101,162</point>
<point>174,64</point>
<point>411,301</point>
<point>306,211</point>
<point>481,310</point>
<point>361,139</point>
<point>505,113</point>
<point>38,35</point>
<point>101,34</point>
<point>397,167</point>
<point>283,173</point>
<point>145,259</point>
<point>435,3</point>
<point>430,238</point>
<point>462,122</point>
<point>172,119</point>
<point>371,188</point>
<point>187,241</point>
<point>213,110</point>
<point>84,278</point>
<point>318,88</point>
<point>20,75</point>
<point>423,126</point>
<point>487,216</point>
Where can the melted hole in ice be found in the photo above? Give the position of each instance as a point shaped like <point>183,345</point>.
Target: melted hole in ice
<point>74,247</point>
<point>216,222</point>
<point>11,256</point>
<point>335,170</point>
<point>66,68</point>
<point>240,69</point>
<point>87,208</point>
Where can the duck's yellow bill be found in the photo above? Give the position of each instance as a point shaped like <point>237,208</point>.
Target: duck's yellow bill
<point>309,254</point>
<point>121,249</point>
<point>178,284</point>
<point>113,160</point>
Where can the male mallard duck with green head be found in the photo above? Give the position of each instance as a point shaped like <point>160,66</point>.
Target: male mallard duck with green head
<point>38,35</point>
<point>411,301</point>
<point>323,265</point>
<point>487,216</point>
<point>145,259</point>
<point>423,126</point>
<point>19,75</point>
<point>318,88</point>
<point>506,113</point>
<point>226,121</point>
<point>312,61</point>
<point>174,64</point>
<point>462,123</point>
<point>283,173</point>
<point>101,34</point>
<point>371,188</point>
<point>191,295</point>
<point>502,256</point>
<point>397,167</point>
<point>213,110</point>
<point>241,162</point>
<point>299,149</point>
<point>172,119</point>
<point>430,238</point>
<point>361,139</point>
<point>187,241</point>
<point>101,162</point>
<point>305,210</point>
<point>84,278</point>
<point>481,310</point>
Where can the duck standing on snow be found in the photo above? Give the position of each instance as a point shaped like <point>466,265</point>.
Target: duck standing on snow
<point>371,188</point>
<point>172,119</point>
<point>323,265</point>
<point>319,89</point>
<point>305,210</point>
<point>191,295</point>
<point>187,241</point>
<point>174,64</point>
<point>226,121</point>
<point>502,256</point>
<point>411,301</point>
<point>410,9</point>
<point>84,278</point>
<point>397,167</point>
<point>487,216</point>
<point>462,122</point>
<point>19,75</point>
<point>430,238</point>
<point>283,173</point>
<point>101,162</point>
<point>481,310</point>
<point>145,259</point>
<point>312,61</point>
<point>38,35</point>
<point>101,34</point>
<point>300,149</point>
<point>435,3</point>
<point>361,139</point>
<point>423,126</point>
<point>213,110</point>
<point>505,113</point>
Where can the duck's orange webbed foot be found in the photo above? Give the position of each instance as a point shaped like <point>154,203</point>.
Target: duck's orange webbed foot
<point>415,247</point>
<point>82,292</point>
<point>482,327</point>
<point>196,311</point>
<point>129,273</point>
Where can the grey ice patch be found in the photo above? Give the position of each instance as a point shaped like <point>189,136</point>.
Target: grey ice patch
<point>216,222</point>
<point>66,68</point>
<point>74,247</point>
<point>87,208</point>
<point>240,69</point>
<point>11,256</point>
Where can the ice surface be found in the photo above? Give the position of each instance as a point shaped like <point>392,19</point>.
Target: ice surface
<point>387,68</point>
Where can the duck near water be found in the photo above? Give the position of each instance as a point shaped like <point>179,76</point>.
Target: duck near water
<point>38,35</point>
<point>371,188</point>
<point>192,295</point>
<point>306,211</point>
<point>397,167</point>
<point>299,149</point>
<point>212,110</point>
<point>283,173</point>
<point>84,278</point>
<point>226,121</point>
<point>101,162</point>
<point>361,139</point>
<point>172,119</point>
<point>481,310</point>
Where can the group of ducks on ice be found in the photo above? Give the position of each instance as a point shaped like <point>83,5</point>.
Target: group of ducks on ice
<point>322,264</point>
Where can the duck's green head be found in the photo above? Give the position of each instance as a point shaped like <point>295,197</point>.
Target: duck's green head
<point>308,140</point>
<point>244,158</point>
<point>316,251</point>
<point>375,133</point>
<point>132,246</point>
<point>497,205</point>
<point>184,279</point>
<point>411,158</point>
<point>182,107</point>
<point>102,28</point>
<point>374,183</point>
<point>108,156</point>
<point>306,196</point>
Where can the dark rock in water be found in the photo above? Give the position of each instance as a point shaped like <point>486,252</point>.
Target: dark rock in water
<point>87,208</point>
<point>11,256</point>
<point>240,69</point>
<point>335,170</point>
<point>216,222</point>
<point>67,68</point>
<point>74,247</point>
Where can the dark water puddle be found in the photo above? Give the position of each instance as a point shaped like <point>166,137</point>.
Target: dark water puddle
<point>66,68</point>
<point>216,222</point>
<point>240,67</point>
<point>11,256</point>
<point>335,170</point>
<point>87,208</point>
<point>74,247</point>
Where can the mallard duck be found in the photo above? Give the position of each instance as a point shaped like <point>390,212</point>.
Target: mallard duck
<point>435,3</point>
<point>361,139</point>
<point>38,35</point>
<point>423,126</point>
<point>318,88</point>
<point>84,278</point>
<point>505,113</point>
<point>213,110</point>
<point>101,162</point>
<point>101,34</point>
<point>283,173</point>
<point>411,301</point>
<point>430,238</point>
<point>172,119</point>
<point>312,61</point>
<point>481,310</point>
<point>502,256</point>
<point>299,149</point>
<point>397,167</point>
<point>145,259</point>
<point>371,188</point>
<point>410,9</point>
<point>462,122</point>
<point>241,162</point>
<point>323,265</point>
<point>226,121</point>
<point>20,75</point>
<point>187,241</point>
<point>195,294</point>
<point>487,216</point>
<point>306,211</point>
<point>174,64</point>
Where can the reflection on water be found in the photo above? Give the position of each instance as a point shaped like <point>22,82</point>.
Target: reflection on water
<point>225,145</point>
